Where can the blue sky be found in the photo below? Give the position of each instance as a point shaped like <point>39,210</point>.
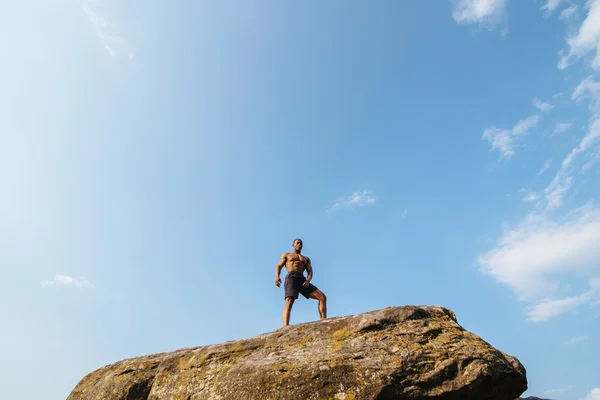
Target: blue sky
<point>157,158</point>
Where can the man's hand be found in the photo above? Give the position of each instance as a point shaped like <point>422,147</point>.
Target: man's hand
<point>306,283</point>
<point>278,282</point>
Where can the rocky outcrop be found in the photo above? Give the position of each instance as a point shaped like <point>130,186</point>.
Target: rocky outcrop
<point>531,398</point>
<point>395,353</point>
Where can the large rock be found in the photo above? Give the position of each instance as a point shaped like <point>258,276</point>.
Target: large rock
<point>394,353</point>
<point>531,398</point>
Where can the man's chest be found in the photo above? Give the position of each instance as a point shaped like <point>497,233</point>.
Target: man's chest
<point>297,259</point>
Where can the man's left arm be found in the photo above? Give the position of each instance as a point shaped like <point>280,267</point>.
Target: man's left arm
<point>309,272</point>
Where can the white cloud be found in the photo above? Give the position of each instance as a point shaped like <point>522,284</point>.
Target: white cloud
<point>550,5</point>
<point>64,280</point>
<point>404,213</point>
<point>592,159</point>
<point>563,179</point>
<point>585,144</point>
<point>589,89</point>
<point>531,196</point>
<point>545,167</point>
<point>594,394</point>
<point>503,140</point>
<point>552,308</point>
<point>485,12</point>
<point>568,13</point>
<point>356,199</point>
<point>576,339</point>
<point>542,106</point>
<point>586,39</point>
<point>562,127</point>
<point>551,392</point>
<point>105,30</point>
<point>530,257</point>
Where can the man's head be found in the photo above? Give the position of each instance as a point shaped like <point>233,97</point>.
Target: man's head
<point>297,244</point>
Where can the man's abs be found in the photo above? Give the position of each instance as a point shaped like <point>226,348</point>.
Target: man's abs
<point>296,267</point>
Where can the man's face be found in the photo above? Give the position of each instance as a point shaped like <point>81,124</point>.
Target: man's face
<point>297,245</point>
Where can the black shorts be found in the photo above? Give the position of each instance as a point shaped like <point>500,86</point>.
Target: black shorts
<point>293,285</point>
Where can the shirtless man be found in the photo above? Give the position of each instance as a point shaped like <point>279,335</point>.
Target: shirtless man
<point>295,282</point>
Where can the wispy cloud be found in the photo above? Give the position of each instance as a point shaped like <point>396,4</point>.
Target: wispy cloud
<point>586,39</point>
<point>550,5</point>
<point>563,179</point>
<point>504,140</point>
<point>558,391</point>
<point>65,280</point>
<point>542,105</point>
<point>552,308</point>
<point>594,394</point>
<point>484,12</point>
<point>357,199</point>
<point>404,213</point>
<point>545,167</point>
<point>530,256</point>
<point>567,13</point>
<point>531,196</point>
<point>592,159</point>
<point>551,248</point>
<point>562,127</point>
<point>588,89</point>
<point>576,339</point>
<point>105,29</point>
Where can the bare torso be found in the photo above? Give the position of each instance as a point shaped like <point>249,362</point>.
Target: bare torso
<point>296,262</point>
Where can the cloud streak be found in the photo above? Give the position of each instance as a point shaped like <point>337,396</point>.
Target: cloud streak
<point>504,140</point>
<point>530,257</point>
<point>586,40</point>
<point>357,199</point>
<point>105,30</point>
<point>533,196</point>
<point>542,105</point>
<point>588,148</point>
<point>562,127</point>
<point>550,5</point>
<point>552,308</point>
<point>484,12</point>
<point>563,180</point>
<point>567,13</point>
<point>557,391</point>
<point>67,281</point>
<point>545,167</point>
<point>576,339</point>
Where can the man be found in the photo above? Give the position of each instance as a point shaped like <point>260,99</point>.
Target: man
<point>295,282</point>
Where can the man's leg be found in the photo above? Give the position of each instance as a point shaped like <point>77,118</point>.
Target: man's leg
<point>285,316</point>
<point>318,295</point>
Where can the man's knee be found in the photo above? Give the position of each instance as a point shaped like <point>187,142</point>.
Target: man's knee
<point>317,294</point>
<point>289,301</point>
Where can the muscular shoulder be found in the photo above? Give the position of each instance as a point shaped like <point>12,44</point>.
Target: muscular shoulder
<point>285,255</point>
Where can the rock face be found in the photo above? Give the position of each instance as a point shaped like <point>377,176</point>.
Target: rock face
<point>407,352</point>
<point>531,398</point>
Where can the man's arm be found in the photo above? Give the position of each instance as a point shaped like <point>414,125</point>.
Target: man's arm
<point>278,268</point>
<point>309,272</point>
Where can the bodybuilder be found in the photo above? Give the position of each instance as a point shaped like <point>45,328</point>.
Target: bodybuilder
<point>295,263</point>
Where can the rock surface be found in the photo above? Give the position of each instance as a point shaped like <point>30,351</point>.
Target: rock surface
<point>394,353</point>
<point>531,398</point>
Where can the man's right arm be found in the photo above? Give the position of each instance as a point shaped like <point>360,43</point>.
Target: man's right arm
<point>278,268</point>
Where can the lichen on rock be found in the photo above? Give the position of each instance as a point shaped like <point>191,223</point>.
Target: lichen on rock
<point>411,352</point>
